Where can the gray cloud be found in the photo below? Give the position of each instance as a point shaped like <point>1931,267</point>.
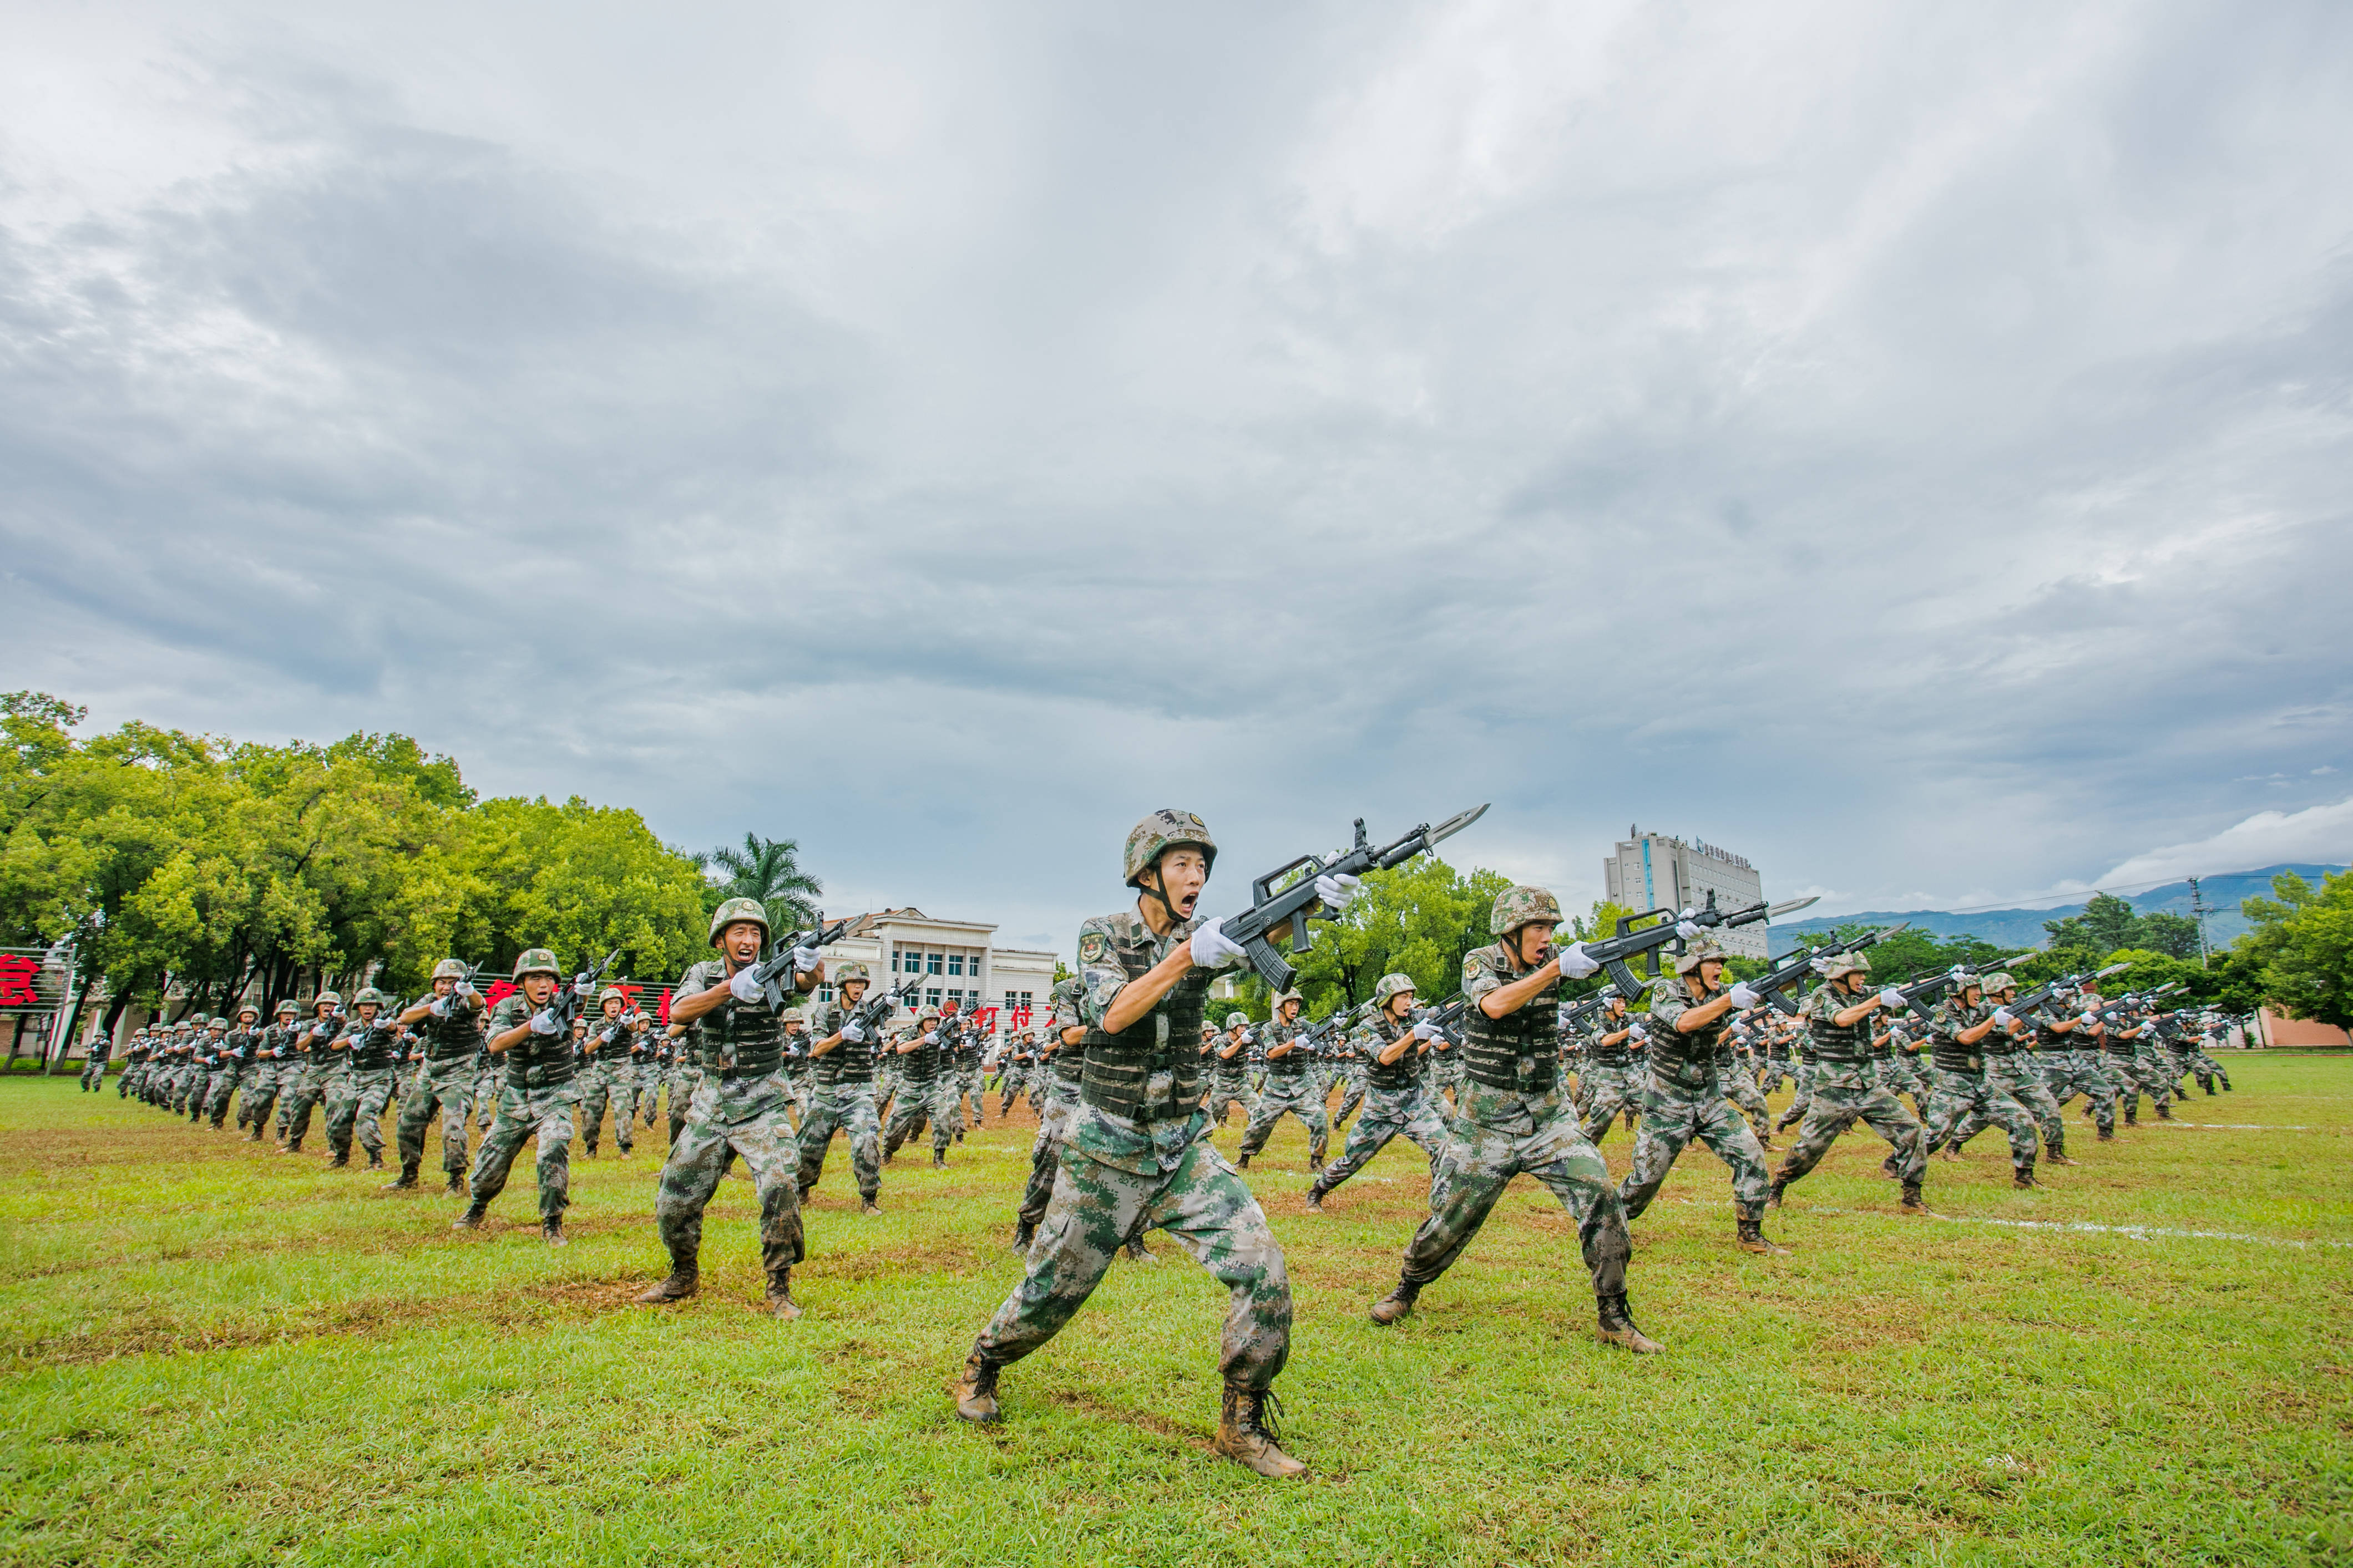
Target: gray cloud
<point>1908,449</point>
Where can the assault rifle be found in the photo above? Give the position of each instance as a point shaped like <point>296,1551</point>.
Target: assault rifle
<point>1961,976</point>
<point>774,974</point>
<point>1774,987</point>
<point>1613,952</point>
<point>1272,913</point>
<point>1577,1012</point>
<point>875,1011</point>
<point>566,1002</point>
<point>1446,1015</point>
<point>2044,993</point>
<point>1316,1038</point>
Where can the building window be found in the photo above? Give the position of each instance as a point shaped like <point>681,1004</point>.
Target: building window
<point>825,993</point>
<point>932,961</point>
<point>931,998</point>
<point>956,964</point>
<point>1016,1000</point>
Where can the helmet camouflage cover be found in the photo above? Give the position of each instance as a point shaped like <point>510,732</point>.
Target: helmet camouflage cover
<point>289,1005</point>
<point>1697,953</point>
<point>850,971</point>
<point>1523,905</point>
<point>1238,1020</point>
<point>536,961</point>
<point>796,1014</point>
<point>328,999</point>
<point>1156,835</point>
<point>1283,996</point>
<point>1389,986</point>
<point>449,969</point>
<point>1840,963</point>
<point>367,994</point>
<point>734,910</point>
<point>2000,982</point>
<point>612,994</point>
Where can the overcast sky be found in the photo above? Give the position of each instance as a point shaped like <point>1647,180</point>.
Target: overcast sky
<point>1907,446</point>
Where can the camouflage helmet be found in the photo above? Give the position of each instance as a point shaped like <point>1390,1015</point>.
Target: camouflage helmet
<point>1965,979</point>
<point>1838,963</point>
<point>1283,996</point>
<point>324,999</point>
<point>215,1022</point>
<point>844,974</point>
<point>1998,982</point>
<point>1156,835</point>
<point>451,969</point>
<point>289,1006</point>
<point>536,961</point>
<point>927,1014</point>
<point>735,910</point>
<point>1523,905</point>
<point>1238,1020</point>
<point>796,1014</point>
<point>1389,986</point>
<point>612,994</point>
<point>1698,952</point>
<point>366,995</point>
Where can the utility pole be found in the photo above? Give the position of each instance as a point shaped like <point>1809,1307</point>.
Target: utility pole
<point>2198,912</point>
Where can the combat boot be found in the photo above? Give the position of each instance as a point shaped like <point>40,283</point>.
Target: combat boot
<point>472,1218</point>
<point>375,1163</point>
<point>1913,1204</point>
<point>551,1229</point>
<point>1617,1326</point>
<point>2056,1154</point>
<point>939,1159</point>
<point>1315,1198</point>
<point>2021,1177</point>
<point>1247,1435</point>
<point>456,1184</point>
<point>1397,1303</point>
<point>684,1280</point>
<point>975,1392</point>
<point>1751,1238</point>
<point>1139,1253</point>
<point>341,1162</point>
<point>1023,1235</point>
<point>781,1305</point>
<point>1773,1198</point>
<point>1243,1164</point>
<point>869,1206</point>
<point>405,1183</point>
<point>2107,1136</point>
<point>2164,1112</point>
<point>2208,1085</point>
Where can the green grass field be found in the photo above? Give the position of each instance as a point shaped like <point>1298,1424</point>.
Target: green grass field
<point>218,1354</point>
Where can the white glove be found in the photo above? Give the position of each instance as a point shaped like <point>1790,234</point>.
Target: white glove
<point>1337,891</point>
<point>932,1039</point>
<point>1742,997</point>
<point>2002,1015</point>
<point>853,1034</point>
<point>744,986</point>
<point>1575,962</point>
<point>441,1006</point>
<point>543,1022</point>
<point>1636,1032</point>
<point>1687,928</point>
<point>464,988</point>
<point>1891,997</point>
<point>583,986</point>
<point>2088,1021</point>
<point>1425,1031</point>
<point>804,960</point>
<point>1212,950</point>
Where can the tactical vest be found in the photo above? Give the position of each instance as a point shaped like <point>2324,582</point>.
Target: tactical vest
<point>921,1067</point>
<point>1614,1055</point>
<point>1284,1070</point>
<point>1119,1067</point>
<point>852,1061</point>
<point>1515,1051</point>
<point>1836,1043</point>
<point>1233,1068</point>
<point>452,1039</point>
<point>537,1061</point>
<point>1399,1077</point>
<point>371,1046</point>
<point>1949,1054</point>
<point>1689,1057</point>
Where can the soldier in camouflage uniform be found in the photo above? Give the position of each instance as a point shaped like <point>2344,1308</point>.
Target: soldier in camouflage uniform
<point>359,1081</point>
<point>538,1098</point>
<point>1292,1090</point>
<point>1066,1036</point>
<point>1137,1154</point>
<point>741,1107</point>
<point>1961,1024</point>
<point>2153,1066</point>
<point>1397,1100</point>
<point>134,1064</point>
<point>238,1066</point>
<point>1352,1077</point>
<point>273,1052</point>
<point>1609,1071</point>
<point>93,1067</point>
<point>1740,1082</point>
<point>603,1055</point>
<point>1513,1116</point>
<point>2018,1069</point>
<point>203,1063</point>
<point>1840,1025</point>
<point>1230,1069</point>
<point>450,1019</point>
<point>318,1066</point>
<point>1013,1072</point>
<point>924,1083</point>
<point>841,1093</point>
<point>2201,1044</point>
<point>1685,1096</point>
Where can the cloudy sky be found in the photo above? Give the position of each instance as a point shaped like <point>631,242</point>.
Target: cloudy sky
<point>1907,446</point>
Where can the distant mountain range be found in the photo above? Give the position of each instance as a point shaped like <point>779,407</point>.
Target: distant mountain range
<point>2020,929</point>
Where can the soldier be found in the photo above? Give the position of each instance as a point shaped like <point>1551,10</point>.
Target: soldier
<point>683,1078</point>
<point>1513,1116</point>
<point>924,1084</point>
<point>648,1062</point>
<point>741,1107</point>
<point>1840,1082</point>
<point>2018,1069</point>
<point>1684,1095</point>
<point>1292,1089</point>
<point>841,1093</point>
<point>604,1061</point>
<point>236,1050</point>
<point>1776,1070</point>
<point>1065,1038</point>
<point>536,1101</point>
<point>1229,1069</point>
<point>1397,1100</point>
<point>450,1020</point>
<point>93,1066</point>
<point>1610,1072</point>
<point>972,1040</point>
<point>135,1055</point>
<point>2202,1045</point>
<point>1740,1082</point>
<point>1961,1022</point>
<point>1350,1075</point>
<point>203,1061</point>
<point>1136,1153</point>
<point>359,1081</point>
<point>1013,1072</point>
<point>317,1066</point>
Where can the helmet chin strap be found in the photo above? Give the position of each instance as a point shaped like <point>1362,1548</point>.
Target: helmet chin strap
<point>1148,885</point>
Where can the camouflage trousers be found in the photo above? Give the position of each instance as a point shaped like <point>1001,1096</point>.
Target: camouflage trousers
<point>128,1080</point>
<point>969,1084</point>
<point>1229,1093</point>
<point>1912,1077</point>
<point>223,1089</point>
<point>2021,1075</point>
<point>2201,1063</point>
<point>847,1108</point>
<point>919,1104</point>
<point>1741,1088</point>
<point>628,1084</point>
<point>1388,1114</point>
<point>1776,1073</point>
<point>596,1082</point>
<point>93,1074</point>
<point>682,1082</point>
<point>1843,1094</point>
<point>355,1103</point>
<point>489,1080</point>
<point>1009,1084</point>
<point>303,1084</point>
<point>1354,1086</point>
<point>1202,1203</point>
<point>2151,1075</point>
<point>256,1093</point>
<point>446,1087</point>
<point>542,1111</point>
<point>1962,1095</point>
<point>1804,1101</point>
<point>1610,1090</point>
<point>750,1117</point>
<point>1502,1133</point>
<point>1674,1112</point>
<point>2067,1074</point>
<point>191,1097</point>
<point>1301,1097</point>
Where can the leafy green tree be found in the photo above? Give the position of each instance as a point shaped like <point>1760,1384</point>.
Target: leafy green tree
<point>768,869</point>
<point>2108,924</point>
<point>2302,945</point>
<point>1421,919</point>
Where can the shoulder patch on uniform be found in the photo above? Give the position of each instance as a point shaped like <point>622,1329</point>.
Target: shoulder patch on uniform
<point>1094,948</point>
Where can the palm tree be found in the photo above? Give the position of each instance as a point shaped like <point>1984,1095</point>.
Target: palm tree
<point>768,869</point>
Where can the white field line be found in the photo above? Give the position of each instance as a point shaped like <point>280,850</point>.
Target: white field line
<point>2137,1232</point>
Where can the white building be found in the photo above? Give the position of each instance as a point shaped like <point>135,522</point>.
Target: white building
<point>960,964</point>
<point>1652,870</point>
